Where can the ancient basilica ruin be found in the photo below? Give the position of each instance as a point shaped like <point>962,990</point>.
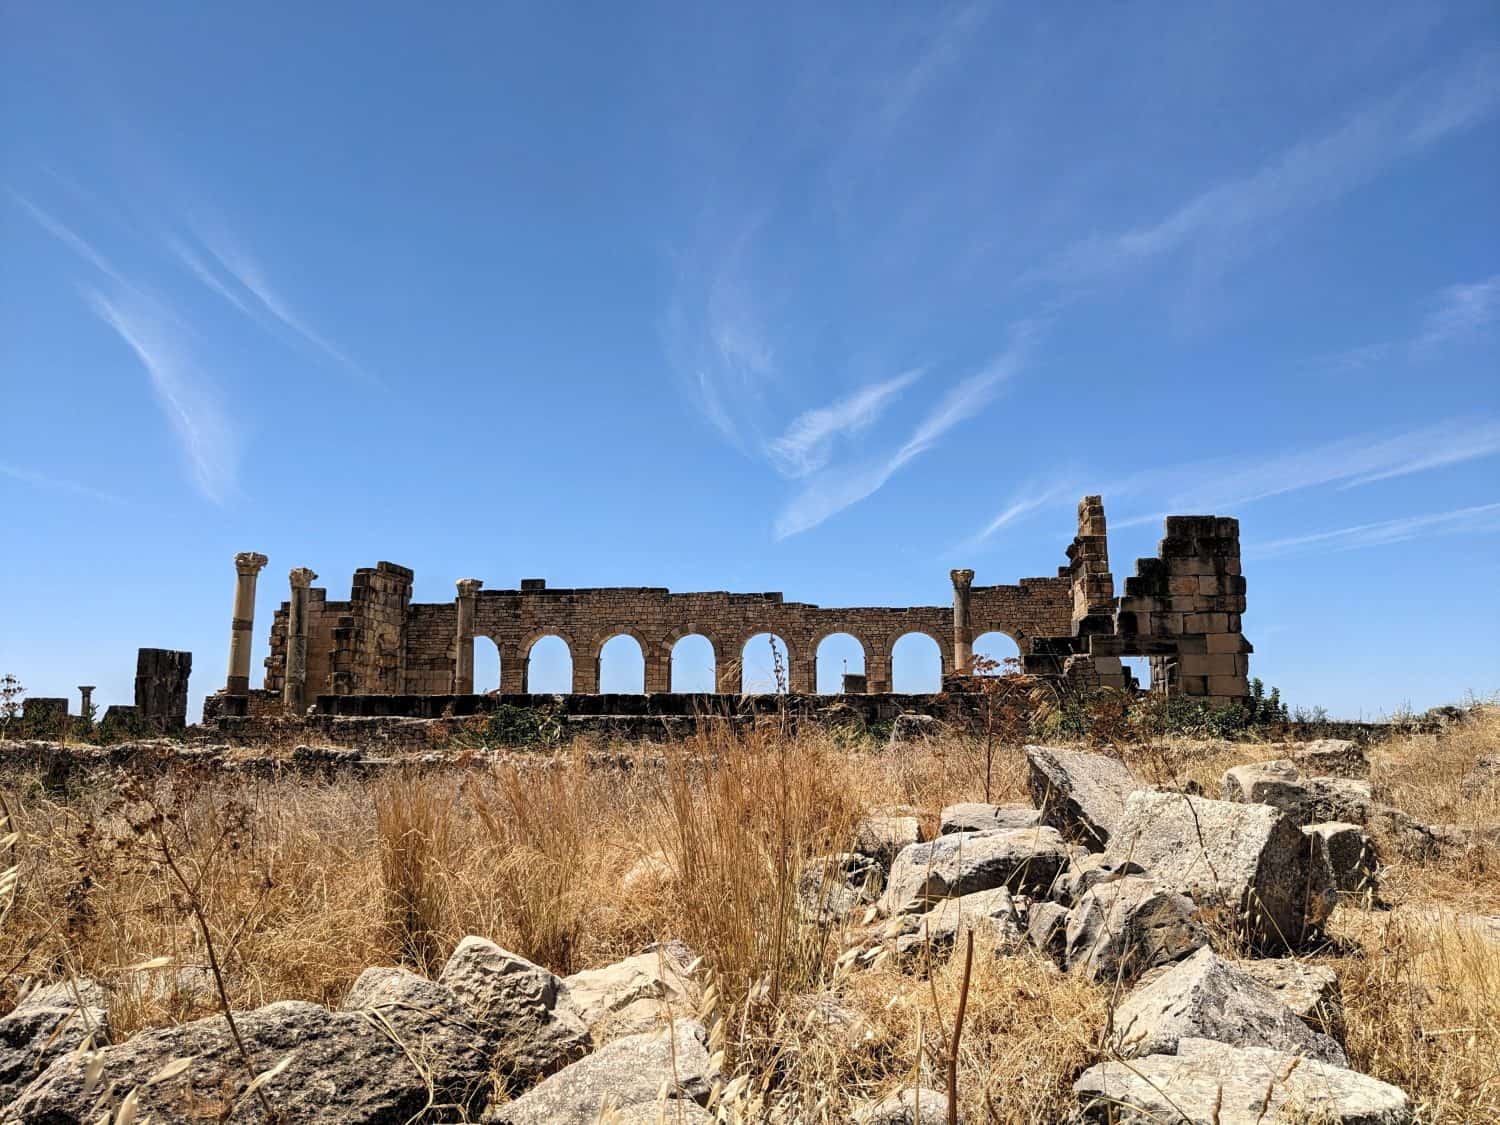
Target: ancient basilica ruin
<point>1181,609</point>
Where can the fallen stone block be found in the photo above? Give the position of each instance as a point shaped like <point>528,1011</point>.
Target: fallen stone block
<point>972,816</point>
<point>1350,855</point>
<point>1307,800</point>
<point>1119,930</point>
<point>1047,928</point>
<point>49,1022</point>
<point>666,1070</point>
<point>1310,991</point>
<point>522,1010</point>
<point>1332,757</point>
<point>831,887</point>
<point>1211,1083</point>
<point>1021,859</point>
<point>1081,795</point>
<point>911,728</point>
<point>1204,997</point>
<point>915,1106</point>
<point>342,1068</point>
<point>1089,871</point>
<point>1249,862</point>
<point>634,995</point>
<point>881,836</point>
<point>990,915</point>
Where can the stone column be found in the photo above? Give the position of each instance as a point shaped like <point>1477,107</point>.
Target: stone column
<point>247,565</point>
<point>86,699</point>
<point>294,683</point>
<point>878,672</point>
<point>463,662</point>
<point>963,630</point>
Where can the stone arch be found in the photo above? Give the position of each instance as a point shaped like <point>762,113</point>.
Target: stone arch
<point>918,666</point>
<point>757,670</point>
<point>528,649</point>
<point>603,669</point>
<point>682,678</point>
<point>986,643</point>
<point>487,663</point>
<point>828,675</point>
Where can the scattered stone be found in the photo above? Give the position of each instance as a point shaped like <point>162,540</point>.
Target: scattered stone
<point>1211,1083</point>
<point>991,915</point>
<point>49,1022</point>
<point>1022,859</point>
<point>972,816</point>
<point>881,836</point>
<point>915,1106</point>
<point>1246,860</point>
<point>667,1069</point>
<point>647,874</point>
<point>1401,834</point>
<point>910,727</point>
<point>634,995</point>
<point>1121,929</point>
<point>1047,927</point>
<point>1332,757</point>
<point>1081,795</point>
<point>1208,998</point>
<point>1483,779</point>
<point>1350,855</point>
<point>342,1068</point>
<point>831,887</point>
<point>1307,801</point>
<point>521,1009</point>
<point>1089,871</point>
<point>1311,991</point>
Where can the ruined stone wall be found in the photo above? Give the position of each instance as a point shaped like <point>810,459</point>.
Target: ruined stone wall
<point>431,633</point>
<point>1037,607</point>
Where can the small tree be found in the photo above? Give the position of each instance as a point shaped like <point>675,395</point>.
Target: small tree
<point>11,691</point>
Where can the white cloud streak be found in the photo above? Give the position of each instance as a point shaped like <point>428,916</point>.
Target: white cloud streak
<point>186,398</point>
<point>70,238</point>
<point>1238,213</point>
<point>1347,463</point>
<point>56,484</point>
<point>832,490</point>
<point>1022,506</point>
<point>807,444</point>
<point>1460,311</point>
<point>1479,519</point>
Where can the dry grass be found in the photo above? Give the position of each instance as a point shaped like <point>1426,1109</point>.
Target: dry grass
<point>304,884</point>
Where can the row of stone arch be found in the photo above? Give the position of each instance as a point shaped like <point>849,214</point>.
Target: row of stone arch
<point>622,662</point>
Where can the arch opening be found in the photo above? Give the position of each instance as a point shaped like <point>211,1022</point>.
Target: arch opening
<point>622,665</point>
<point>549,666</point>
<point>916,664</point>
<point>693,666</point>
<point>838,655</point>
<point>996,654</point>
<point>486,665</point>
<point>765,667</point>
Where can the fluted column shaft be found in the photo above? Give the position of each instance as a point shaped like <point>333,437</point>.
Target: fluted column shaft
<point>247,566</point>
<point>463,656</point>
<point>294,683</point>
<point>963,629</point>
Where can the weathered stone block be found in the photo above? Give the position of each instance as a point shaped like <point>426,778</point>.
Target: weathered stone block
<point>1080,794</point>
<point>1022,859</point>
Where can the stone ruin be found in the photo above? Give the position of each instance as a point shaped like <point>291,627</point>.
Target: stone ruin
<point>1181,609</point>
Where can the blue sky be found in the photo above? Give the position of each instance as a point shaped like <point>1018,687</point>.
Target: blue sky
<point>825,301</point>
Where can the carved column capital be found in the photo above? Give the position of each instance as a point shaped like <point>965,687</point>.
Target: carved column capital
<point>249,563</point>
<point>301,577</point>
<point>469,587</point>
<point>962,579</point>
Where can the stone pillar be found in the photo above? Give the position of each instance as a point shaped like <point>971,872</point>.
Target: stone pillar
<point>463,657</point>
<point>963,630</point>
<point>247,565</point>
<point>86,699</point>
<point>512,668</point>
<point>878,672</point>
<point>294,683</point>
<point>658,658</point>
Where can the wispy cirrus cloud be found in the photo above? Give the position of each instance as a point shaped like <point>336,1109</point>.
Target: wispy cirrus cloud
<point>1350,462</point>
<point>1460,311</point>
<point>1235,217</point>
<point>808,442</point>
<point>833,489</point>
<point>182,388</point>
<point>1024,503</point>
<point>1478,519</point>
<point>56,484</point>
<point>69,238</point>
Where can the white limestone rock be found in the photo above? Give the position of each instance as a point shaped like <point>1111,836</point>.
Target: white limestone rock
<point>1022,859</point>
<point>1082,795</point>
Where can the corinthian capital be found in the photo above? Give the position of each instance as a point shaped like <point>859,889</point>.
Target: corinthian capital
<point>469,587</point>
<point>249,563</point>
<point>301,577</point>
<point>962,579</point>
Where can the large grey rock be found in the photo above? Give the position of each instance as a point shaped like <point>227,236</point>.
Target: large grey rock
<point>1089,871</point>
<point>991,915</point>
<point>881,836</point>
<point>1022,859</point>
<point>522,1010</point>
<point>1350,855</point>
<point>1332,757</point>
<point>913,1106</point>
<point>1312,992</point>
<point>975,816</point>
<point>49,1022</point>
<point>1119,930</point>
<point>910,727</point>
<point>1205,997</point>
<point>1483,778</point>
<point>831,887</point>
<point>1247,861</point>
<point>666,1068</point>
<point>1081,795</point>
<point>1047,927</point>
<point>1211,1083</point>
<point>382,1065</point>
<point>634,995</point>
<point>1306,800</point>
